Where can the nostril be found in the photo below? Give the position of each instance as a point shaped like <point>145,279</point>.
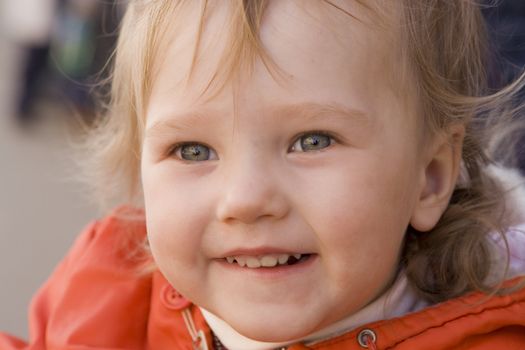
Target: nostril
<point>249,198</point>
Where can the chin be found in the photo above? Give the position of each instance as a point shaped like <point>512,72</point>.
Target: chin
<point>277,320</point>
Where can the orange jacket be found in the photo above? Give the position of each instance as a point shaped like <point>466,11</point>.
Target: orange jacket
<point>96,299</point>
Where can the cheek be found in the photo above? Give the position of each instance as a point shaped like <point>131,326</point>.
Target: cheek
<point>176,219</point>
<point>365,193</point>
<point>360,214</point>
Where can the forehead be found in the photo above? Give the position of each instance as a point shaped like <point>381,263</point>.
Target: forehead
<point>332,51</point>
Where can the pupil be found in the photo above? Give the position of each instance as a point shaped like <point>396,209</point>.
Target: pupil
<point>195,152</point>
<point>314,142</point>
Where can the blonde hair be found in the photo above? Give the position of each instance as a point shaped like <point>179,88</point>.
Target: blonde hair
<point>443,45</point>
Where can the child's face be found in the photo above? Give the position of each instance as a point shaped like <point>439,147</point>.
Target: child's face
<point>324,164</point>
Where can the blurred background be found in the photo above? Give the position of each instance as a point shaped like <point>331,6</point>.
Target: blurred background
<point>52,53</point>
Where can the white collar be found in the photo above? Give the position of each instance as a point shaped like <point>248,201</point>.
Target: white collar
<point>396,301</point>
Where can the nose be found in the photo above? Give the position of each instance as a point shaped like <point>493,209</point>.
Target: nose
<point>251,192</point>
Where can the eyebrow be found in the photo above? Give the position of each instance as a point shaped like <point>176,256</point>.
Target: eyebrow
<point>307,111</point>
<point>314,110</point>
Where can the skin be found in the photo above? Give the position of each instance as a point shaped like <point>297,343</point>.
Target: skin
<point>348,204</point>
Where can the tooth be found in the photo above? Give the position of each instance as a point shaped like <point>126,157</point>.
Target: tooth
<point>268,261</point>
<point>297,256</point>
<point>241,260</point>
<point>230,259</point>
<point>283,258</point>
<point>253,262</point>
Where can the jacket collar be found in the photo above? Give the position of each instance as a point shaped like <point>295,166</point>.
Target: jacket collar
<point>444,325</point>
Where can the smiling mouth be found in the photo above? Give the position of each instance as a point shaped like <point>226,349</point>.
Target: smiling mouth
<point>269,260</point>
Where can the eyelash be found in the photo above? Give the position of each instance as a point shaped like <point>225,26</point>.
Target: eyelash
<point>174,148</point>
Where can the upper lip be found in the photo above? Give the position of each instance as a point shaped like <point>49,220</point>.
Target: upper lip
<point>261,251</point>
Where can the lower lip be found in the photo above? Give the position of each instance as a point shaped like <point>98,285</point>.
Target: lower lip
<point>277,272</point>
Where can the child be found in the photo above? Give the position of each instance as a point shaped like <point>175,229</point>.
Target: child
<point>312,177</point>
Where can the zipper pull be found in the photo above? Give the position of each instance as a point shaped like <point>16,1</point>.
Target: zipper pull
<point>198,337</point>
<point>199,343</point>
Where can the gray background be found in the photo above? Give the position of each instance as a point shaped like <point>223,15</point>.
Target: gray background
<point>41,208</point>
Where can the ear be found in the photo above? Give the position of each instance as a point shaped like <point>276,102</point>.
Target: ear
<point>439,175</point>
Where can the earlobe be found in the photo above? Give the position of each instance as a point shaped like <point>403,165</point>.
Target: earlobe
<point>438,178</point>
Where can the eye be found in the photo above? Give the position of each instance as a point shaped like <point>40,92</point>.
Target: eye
<point>312,141</point>
<point>194,152</point>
